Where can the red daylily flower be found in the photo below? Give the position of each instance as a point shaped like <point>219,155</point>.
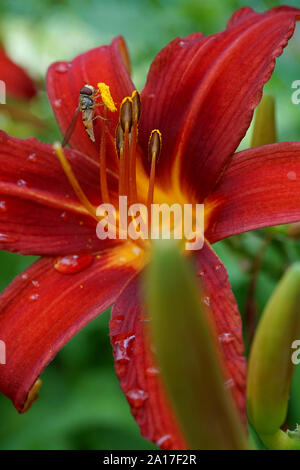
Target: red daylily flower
<point>200,93</point>
<point>17,81</point>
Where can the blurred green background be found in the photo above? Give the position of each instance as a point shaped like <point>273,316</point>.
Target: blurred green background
<point>81,405</point>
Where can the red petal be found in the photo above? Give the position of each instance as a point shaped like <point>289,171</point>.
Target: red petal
<point>43,309</point>
<point>201,94</point>
<point>135,367</point>
<point>108,64</point>
<point>260,188</point>
<point>138,375</point>
<point>218,295</point>
<point>39,212</point>
<point>17,81</point>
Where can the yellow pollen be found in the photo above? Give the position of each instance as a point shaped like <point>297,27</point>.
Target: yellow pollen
<point>106,96</point>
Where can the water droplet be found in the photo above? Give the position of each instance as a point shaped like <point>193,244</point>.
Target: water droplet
<point>152,371</point>
<point>21,183</point>
<point>4,238</point>
<point>229,383</point>
<point>182,43</point>
<point>33,297</point>
<point>36,283</point>
<point>292,175</point>
<point>206,300</point>
<point>217,267</point>
<point>32,158</point>
<point>58,102</point>
<point>3,206</point>
<point>136,397</point>
<point>226,338</point>
<point>72,264</point>
<point>65,216</point>
<point>151,96</point>
<point>165,442</point>
<point>61,67</point>
<point>123,347</point>
<point>201,272</point>
<point>24,276</point>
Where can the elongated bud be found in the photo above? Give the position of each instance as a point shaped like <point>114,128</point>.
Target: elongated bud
<point>126,114</point>
<point>264,131</point>
<point>154,145</point>
<point>119,139</point>
<point>187,354</point>
<point>270,364</point>
<point>136,106</point>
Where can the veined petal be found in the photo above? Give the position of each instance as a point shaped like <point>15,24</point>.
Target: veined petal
<point>226,319</point>
<point>135,365</point>
<point>17,82</point>
<point>39,211</point>
<point>42,309</point>
<point>108,64</point>
<point>137,372</point>
<point>205,111</point>
<point>260,188</point>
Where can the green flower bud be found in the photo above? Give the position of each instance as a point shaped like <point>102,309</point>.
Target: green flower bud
<point>264,131</point>
<point>270,363</point>
<point>187,354</point>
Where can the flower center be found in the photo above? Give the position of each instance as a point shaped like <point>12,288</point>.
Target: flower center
<point>126,139</point>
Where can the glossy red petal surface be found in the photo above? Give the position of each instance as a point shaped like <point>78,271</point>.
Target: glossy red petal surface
<point>108,64</point>
<point>39,211</point>
<point>43,309</point>
<point>201,93</point>
<point>137,372</point>
<point>260,188</point>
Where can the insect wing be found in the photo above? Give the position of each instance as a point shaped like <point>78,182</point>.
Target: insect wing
<point>71,128</point>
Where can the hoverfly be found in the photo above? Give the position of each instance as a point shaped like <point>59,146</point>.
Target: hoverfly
<point>86,106</point>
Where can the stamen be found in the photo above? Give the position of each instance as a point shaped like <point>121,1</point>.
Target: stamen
<point>126,124</point>
<point>136,112</point>
<point>106,96</point>
<point>126,114</point>
<point>73,180</point>
<point>136,106</point>
<point>120,153</point>
<point>103,174</point>
<point>154,150</point>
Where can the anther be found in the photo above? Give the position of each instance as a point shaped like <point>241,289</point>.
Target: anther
<point>106,96</point>
<point>136,106</point>
<point>119,141</point>
<point>126,114</point>
<point>154,145</point>
<point>154,149</point>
